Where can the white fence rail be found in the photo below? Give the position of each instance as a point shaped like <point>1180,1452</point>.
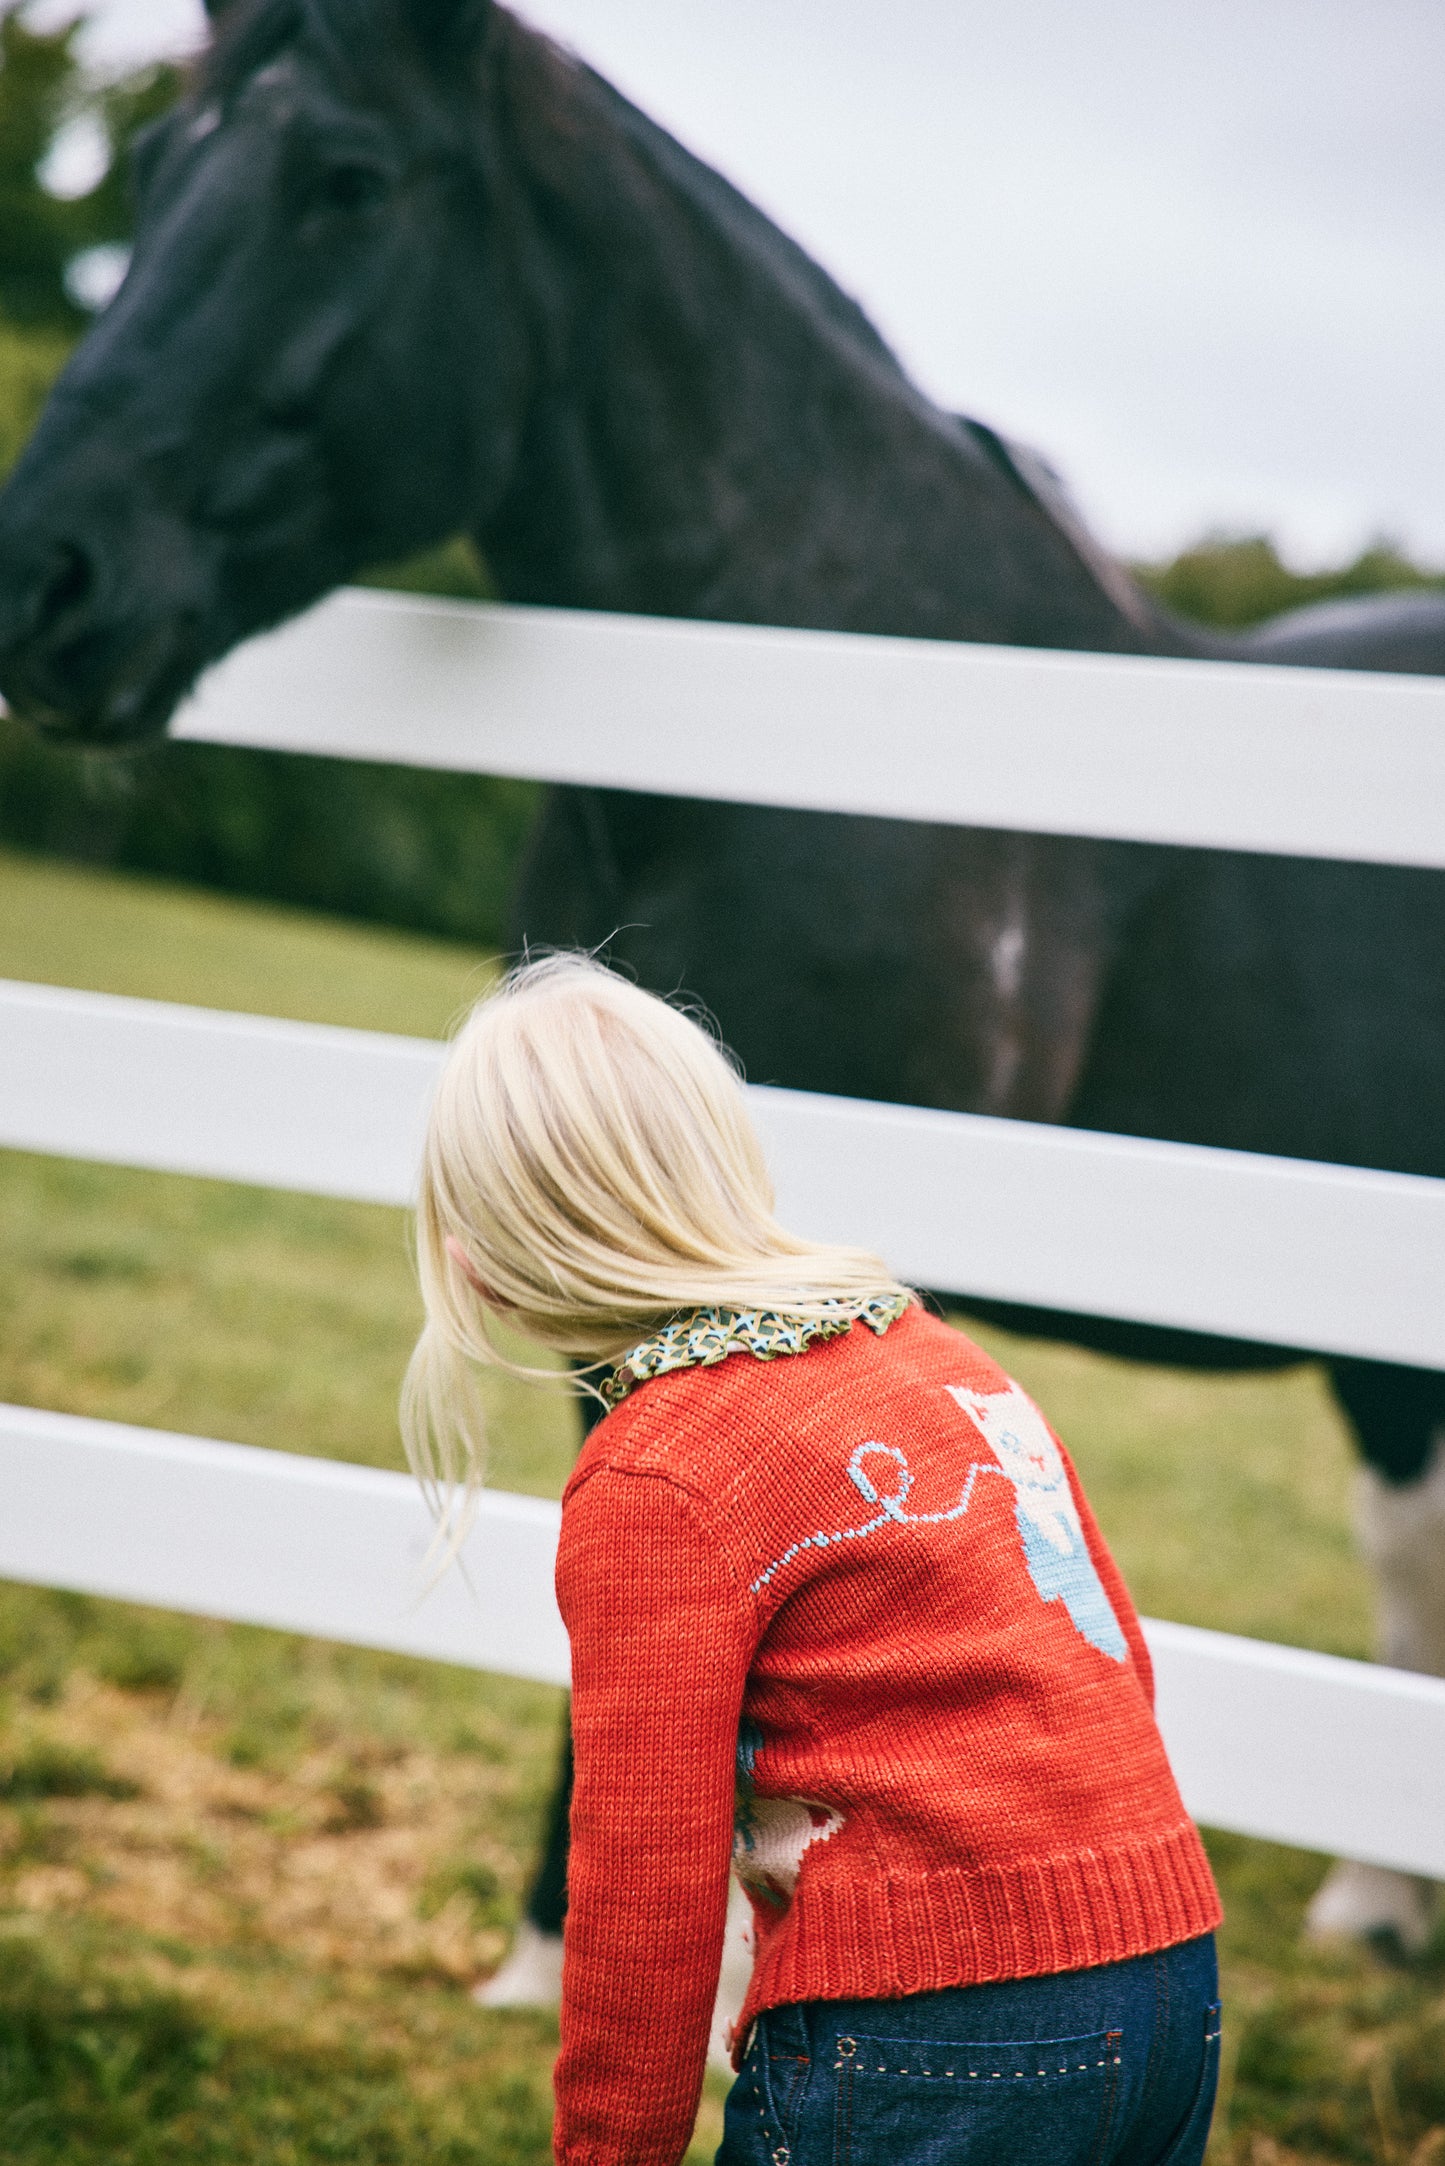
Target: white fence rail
<point>269,1538</point>
<point>1337,1258</point>
<point>1267,1740</point>
<point>1270,1741</point>
<point>1225,755</point>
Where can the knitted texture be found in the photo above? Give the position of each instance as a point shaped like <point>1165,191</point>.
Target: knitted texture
<point>846,1619</point>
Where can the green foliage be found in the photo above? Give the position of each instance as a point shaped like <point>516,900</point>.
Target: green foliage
<point>41,88</point>
<point>123,109</point>
<point>452,569</point>
<point>1234,581</point>
<point>37,233</point>
<point>400,846</point>
<point>30,361</point>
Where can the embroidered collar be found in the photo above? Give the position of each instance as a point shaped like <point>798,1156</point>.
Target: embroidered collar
<point>710,1335</point>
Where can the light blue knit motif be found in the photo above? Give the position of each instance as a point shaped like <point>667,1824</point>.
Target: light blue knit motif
<point>1050,1530</point>
<point>890,1508</point>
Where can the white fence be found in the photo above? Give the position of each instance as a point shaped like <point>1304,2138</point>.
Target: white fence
<point>1269,1741</point>
<point>1228,755</point>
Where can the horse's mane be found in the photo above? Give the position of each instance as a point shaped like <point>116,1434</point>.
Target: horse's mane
<point>248,33</point>
<point>559,89</point>
<point>740,221</point>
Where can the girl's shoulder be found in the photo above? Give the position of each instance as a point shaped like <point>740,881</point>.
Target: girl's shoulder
<point>751,1399</point>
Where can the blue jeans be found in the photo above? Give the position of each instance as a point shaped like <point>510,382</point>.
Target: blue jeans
<point>1108,2067</point>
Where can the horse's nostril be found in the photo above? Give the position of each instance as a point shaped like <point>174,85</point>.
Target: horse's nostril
<point>71,579</point>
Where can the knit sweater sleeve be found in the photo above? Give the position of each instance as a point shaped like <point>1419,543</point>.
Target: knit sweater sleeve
<point>662,1635</point>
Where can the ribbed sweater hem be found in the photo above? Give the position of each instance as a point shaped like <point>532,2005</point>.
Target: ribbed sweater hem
<point>878,1939</point>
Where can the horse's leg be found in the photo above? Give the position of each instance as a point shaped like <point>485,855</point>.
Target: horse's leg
<point>1398,1416</point>
<point>546,1906</point>
<point>531,1976</point>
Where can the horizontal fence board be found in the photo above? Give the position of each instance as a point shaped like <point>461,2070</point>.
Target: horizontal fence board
<point>1266,1740</point>
<point>1224,755</point>
<point>1282,1251</point>
<point>1302,1748</point>
<point>201,1090</point>
<point>271,1538</point>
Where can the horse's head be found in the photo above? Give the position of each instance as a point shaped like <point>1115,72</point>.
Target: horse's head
<point>247,424</point>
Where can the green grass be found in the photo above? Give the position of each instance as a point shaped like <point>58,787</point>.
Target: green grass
<point>63,925</point>
<point>245,1879</point>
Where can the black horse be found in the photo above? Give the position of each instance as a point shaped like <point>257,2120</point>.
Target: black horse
<point>403,268</point>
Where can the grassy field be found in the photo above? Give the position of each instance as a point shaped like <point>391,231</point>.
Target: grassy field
<point>246,1879</point>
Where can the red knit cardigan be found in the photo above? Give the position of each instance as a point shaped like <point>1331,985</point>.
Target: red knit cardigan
<point>846,1614</point>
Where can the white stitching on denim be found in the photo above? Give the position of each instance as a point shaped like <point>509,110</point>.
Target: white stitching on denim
<point>991,2075</point>
<point>781,2155</point>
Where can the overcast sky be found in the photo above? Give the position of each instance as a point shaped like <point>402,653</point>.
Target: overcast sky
<point>1195,253</point>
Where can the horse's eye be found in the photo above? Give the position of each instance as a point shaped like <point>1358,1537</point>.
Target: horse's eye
<point>351,186</point>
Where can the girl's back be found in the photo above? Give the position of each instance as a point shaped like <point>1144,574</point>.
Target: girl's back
<point>849,1603</point>
<point>840,1619</point>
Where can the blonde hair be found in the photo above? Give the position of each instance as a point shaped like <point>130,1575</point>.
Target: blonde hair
<point>590,1150</point>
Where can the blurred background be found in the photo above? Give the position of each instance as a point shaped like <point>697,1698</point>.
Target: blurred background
<point>247,1880</point>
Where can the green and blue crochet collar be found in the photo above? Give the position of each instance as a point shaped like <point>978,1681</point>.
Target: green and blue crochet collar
<point>708,1336</point>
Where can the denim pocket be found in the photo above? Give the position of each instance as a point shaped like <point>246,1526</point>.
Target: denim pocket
<point>931,2102</point>
<point>1187,2148</point>
<point>762,2102</point>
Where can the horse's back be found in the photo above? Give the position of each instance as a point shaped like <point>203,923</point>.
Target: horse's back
<point>1401,632</point>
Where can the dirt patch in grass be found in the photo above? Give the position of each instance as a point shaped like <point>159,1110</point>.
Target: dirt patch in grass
<point>359,1855</point>
<point>241,1907</point>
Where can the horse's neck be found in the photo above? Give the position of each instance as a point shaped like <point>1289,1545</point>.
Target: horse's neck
<point>725,436</point>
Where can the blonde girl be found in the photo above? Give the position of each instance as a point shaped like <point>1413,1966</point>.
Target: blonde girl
<point>841,1622</point>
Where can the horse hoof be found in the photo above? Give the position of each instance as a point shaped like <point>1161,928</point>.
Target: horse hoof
<point>1393,1913</point>
<point>531,1976</point>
